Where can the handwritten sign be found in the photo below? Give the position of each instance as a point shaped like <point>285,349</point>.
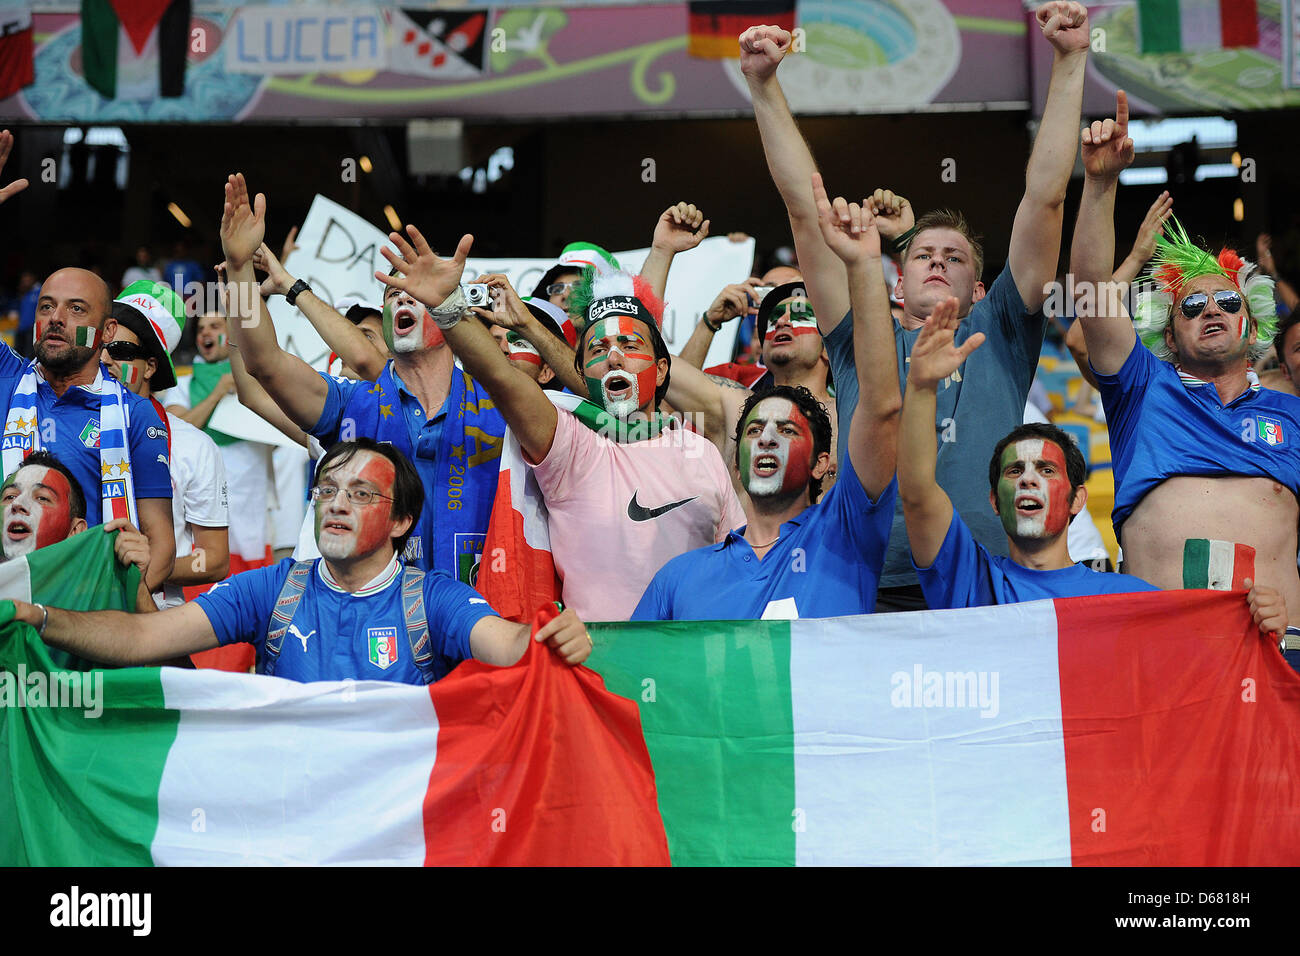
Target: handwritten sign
<point>305,39</point>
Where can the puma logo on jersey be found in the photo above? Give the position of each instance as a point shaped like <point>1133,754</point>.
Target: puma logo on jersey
<point>301,636</point>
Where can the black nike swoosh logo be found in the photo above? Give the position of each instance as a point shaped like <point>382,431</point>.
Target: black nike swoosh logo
<point>637,512</point>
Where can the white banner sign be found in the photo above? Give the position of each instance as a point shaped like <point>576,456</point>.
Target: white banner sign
<point>305,39</point>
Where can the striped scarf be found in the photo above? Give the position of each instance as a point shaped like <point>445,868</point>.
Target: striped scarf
<point>22,436</point>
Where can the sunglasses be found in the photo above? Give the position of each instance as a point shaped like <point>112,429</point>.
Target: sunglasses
<point>1227,300</point>
<point>558,288</point>
<point>125,351</point>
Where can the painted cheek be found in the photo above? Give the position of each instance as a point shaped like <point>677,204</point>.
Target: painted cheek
<point>1007,504</point>
<point>797,469</point>
<point>646,383</point>
<point>1058,505</point>
<point>373,523</point>
<point>53,522</point>
<point>388,325</point>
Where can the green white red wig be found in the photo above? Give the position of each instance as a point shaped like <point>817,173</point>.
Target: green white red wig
<point>1177,262</point>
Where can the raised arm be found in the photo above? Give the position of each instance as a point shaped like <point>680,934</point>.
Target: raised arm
<point>344,339</point>
<point>432,281</point>
<point>258,401</point>
<point>731,303</point>
<point>873,430</point>
<point>124,640</point>
<point>681,228</point>
<point>1036,234</point>
<point>1108,331</point>
<point>791,164</point>
<point>293,384</point>
<point>198,415</point>
<point>927,509</point>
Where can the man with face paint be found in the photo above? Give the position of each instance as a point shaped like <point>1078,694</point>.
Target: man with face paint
<point>515,323</point>
<point>43,505</point>
<point>1036,486</point>
<point>346,618</point>
<point>67,403</point>
<point>625,491</point>
<point>1206,462</point>
<point>434,413</point>
<point>802,555</point>
<point>150,318</point>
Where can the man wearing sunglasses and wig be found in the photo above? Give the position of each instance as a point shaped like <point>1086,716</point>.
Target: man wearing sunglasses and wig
<point>1207,463</point>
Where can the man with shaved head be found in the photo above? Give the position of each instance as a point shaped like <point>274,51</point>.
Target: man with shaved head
<point>65,402</point>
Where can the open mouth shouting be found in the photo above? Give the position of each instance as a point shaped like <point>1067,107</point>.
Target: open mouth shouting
<point>18,530</point>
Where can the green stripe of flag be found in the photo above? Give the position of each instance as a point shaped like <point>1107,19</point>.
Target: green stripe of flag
<point>75,802</point>
<point>1158,26</point>
<point>1196,563</point>
<point>733,684</point>
<point>99,38</point>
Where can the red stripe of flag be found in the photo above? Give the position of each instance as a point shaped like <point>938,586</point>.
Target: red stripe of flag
<point>1180,749</point>
<point>1239,23</point>
<point>539,764</point>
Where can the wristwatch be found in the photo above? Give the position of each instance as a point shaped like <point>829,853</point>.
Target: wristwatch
<point>296,290</point>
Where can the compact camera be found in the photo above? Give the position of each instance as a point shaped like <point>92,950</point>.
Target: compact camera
<point>478,294</point>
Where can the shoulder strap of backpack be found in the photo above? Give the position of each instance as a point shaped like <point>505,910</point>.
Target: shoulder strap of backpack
<point>417,625</point>
<point>282,615</point>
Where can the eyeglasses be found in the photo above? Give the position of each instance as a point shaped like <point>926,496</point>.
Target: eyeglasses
<point>358,496</point>
<point>125,351</point>
<point>558,288</point>
<point>1227,300</point>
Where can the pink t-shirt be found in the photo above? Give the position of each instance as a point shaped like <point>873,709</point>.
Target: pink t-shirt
<point>620,512</point>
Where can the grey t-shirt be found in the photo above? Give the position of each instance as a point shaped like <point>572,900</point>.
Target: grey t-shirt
<point>979,404</point>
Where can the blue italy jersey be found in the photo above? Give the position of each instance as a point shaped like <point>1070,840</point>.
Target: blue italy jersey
<point>964,574</point>
<point>1163,425</point>
<point>976,406</point>
<point>69,430</point>
<point>338,636</point>
<point>825,564</point>
<point>456,451</point>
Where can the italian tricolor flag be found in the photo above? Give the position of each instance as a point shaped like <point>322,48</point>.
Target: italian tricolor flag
<point>1148,729</point>
<point>1189,26</point>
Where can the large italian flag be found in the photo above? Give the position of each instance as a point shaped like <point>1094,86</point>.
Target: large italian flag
<point>1190,26</point>
<point>1152,729</point>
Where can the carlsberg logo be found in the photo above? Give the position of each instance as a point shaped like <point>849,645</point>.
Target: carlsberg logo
<point>620,305</point>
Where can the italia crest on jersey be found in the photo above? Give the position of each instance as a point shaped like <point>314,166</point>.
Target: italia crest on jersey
<point>1270,430</point>
<point>383,646</point>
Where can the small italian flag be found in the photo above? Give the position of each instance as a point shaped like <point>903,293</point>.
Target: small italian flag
<point>1189,26</point>
<point>135,49</point>
<point>1153,729</point>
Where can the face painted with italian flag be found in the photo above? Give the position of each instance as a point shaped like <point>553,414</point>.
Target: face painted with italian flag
<point>776,449</point>
<point>408,327</point>
<point>346,530</point>
<point>1034,490</point>
<point>521,350</point>
<point>37,510</point>
<point>799,320</point>
<point>620,368</point>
